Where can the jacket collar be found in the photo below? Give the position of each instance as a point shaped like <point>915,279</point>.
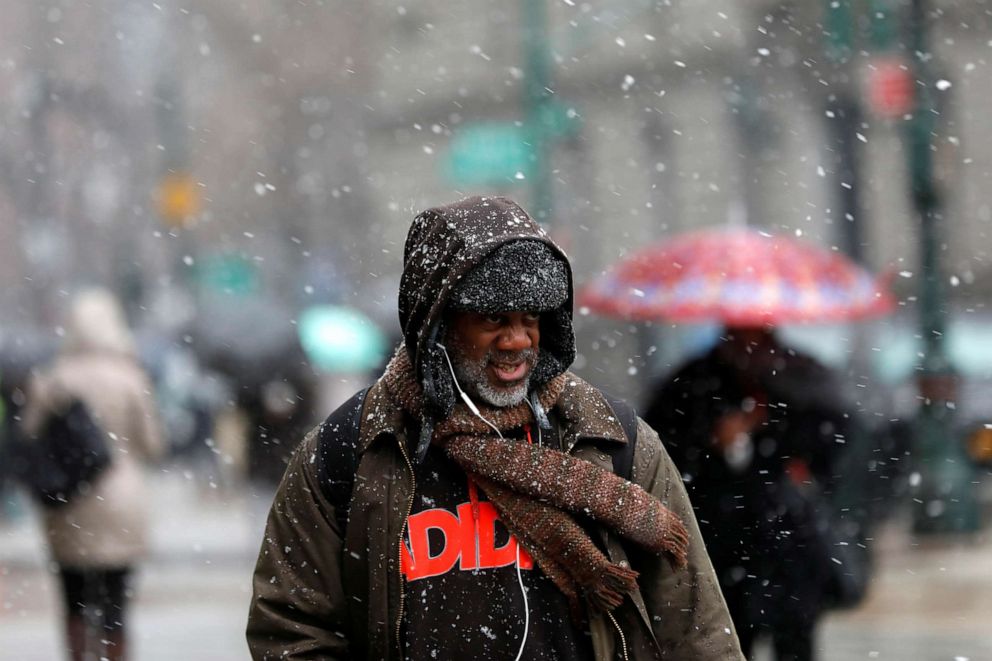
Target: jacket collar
<point>379,416</point>
<point>582,411</point>
<point>585,414</point>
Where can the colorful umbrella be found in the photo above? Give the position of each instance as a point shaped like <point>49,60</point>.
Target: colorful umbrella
<point>738,276</point>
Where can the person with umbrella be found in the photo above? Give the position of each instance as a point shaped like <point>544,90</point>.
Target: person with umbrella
<point>755,427</point>
<point>252,340</point>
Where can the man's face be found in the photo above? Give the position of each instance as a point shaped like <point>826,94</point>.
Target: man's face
<point>494,354</point>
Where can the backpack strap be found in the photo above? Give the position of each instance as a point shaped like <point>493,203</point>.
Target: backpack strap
<point>623,458</point>
<point>337,455</point>
<point>623,466</point>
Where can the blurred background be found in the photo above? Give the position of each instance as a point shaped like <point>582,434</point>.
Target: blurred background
<point>241,175</point>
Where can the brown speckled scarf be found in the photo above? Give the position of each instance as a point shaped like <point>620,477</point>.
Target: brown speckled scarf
<point>537,490</point>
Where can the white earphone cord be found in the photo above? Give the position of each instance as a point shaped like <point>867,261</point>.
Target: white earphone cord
<point>475,410</point>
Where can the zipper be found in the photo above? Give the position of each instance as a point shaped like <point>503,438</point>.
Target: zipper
<point>623,639</point>
<point>399,546</point>
<point>473,497</point>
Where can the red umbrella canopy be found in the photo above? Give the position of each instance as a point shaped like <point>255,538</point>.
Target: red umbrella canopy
<point>738,276</point>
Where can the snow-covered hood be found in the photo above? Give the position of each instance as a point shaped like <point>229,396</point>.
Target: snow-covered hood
<point>444,244</point>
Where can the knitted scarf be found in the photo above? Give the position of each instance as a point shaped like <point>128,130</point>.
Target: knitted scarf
<point>538,490</point>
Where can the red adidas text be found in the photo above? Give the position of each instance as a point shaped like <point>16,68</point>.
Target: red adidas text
<point>460,543</point>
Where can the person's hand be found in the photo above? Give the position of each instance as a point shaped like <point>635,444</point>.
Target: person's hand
<point>732,435</point>
<point>732,427</point>
<point>798,471</point>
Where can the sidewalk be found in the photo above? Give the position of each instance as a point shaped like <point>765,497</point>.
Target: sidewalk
<point>930,599</point>
<point>192,592</point>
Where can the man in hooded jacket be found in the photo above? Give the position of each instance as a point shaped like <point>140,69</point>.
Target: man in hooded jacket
<point>483,518</point>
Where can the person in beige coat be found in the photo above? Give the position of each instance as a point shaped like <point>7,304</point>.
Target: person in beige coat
<point>97,537</point>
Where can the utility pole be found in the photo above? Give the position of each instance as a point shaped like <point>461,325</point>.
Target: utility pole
<point>177,196</point>
<point>843,117</point>
<point>843,114</point>
<point>944,500</point>
<point>537,104</point>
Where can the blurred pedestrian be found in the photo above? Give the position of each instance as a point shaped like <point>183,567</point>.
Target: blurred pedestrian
<point>12,398</point>
<point>756,427</point>
<point>20,353</point>
<point>99,535</point>
<point>279,411</point>
<point>475,502</point>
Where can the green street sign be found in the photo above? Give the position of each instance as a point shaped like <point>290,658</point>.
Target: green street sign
<point>227,273</point>
<point>489,153</point>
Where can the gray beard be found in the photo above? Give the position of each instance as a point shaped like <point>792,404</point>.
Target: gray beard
<point>472,377</point>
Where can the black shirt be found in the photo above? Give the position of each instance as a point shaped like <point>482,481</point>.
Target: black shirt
<point>463,594</point>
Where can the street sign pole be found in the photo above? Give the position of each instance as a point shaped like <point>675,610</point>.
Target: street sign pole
<point>177,195</point>
<point>843,117</point>
<point>944,499</point>
<point>537,106</point>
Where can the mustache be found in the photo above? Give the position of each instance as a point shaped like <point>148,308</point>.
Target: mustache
<point>524,355</point>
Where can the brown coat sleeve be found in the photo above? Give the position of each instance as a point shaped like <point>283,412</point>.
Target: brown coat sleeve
<point>298,607</point>
<point>687,608</point>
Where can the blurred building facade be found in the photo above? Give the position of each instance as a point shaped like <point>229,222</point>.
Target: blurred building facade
<point>690,114</point>
<point>310,132</point>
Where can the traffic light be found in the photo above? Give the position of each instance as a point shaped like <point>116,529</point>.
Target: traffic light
<point>177,199</point>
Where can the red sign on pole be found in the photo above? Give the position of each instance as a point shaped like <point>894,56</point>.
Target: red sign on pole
<point>890,87</point>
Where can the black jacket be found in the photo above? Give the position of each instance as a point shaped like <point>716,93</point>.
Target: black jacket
<point>758,523</point>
